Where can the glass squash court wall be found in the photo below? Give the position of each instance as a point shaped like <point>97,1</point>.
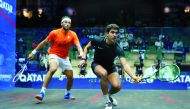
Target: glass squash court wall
<point>7,42</point>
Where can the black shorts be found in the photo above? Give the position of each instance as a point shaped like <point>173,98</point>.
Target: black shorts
<point>110,69</point>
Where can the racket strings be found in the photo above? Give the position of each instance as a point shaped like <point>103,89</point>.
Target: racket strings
<point>169,73</point>
<point>163,72</point>
<point>20,73</point>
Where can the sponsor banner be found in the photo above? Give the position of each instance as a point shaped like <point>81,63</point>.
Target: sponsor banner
<point>5,77</point>
<point>6,6</point>
<point>8,42</point>
<point>5,82</point>
<point>8,16</point>
<point>35,80</point>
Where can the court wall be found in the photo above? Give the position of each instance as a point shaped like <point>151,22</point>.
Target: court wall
<point>7,42</point>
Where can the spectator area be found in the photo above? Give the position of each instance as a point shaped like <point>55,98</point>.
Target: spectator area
<point>132,40</point>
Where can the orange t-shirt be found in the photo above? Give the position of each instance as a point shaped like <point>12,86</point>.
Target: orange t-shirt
<point>61,41</point>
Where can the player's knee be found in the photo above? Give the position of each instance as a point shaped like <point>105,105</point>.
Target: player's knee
<point>117,87</point>
<point>52,70</point>
<point>69,76</point>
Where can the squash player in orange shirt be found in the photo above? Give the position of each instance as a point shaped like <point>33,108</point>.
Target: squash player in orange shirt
<point>61,40</point>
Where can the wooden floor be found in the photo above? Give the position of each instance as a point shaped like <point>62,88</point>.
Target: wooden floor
<point>19,98</point>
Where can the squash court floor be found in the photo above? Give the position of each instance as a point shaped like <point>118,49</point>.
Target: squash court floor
<point>23,98</point>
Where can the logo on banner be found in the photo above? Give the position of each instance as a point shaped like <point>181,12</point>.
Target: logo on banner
<point>182,79</point>
<point>142,82</point>
<point>6,6</point>
<point>32,77</point>
<point>5,77</point>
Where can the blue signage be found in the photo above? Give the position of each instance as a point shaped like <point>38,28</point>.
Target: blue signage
<point>35,80</point>
<point>7,42</point>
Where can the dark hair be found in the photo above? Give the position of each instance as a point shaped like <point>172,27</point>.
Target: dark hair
<point>111,26</point>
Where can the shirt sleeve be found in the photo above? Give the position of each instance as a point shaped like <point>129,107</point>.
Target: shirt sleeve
<point>120,52</point>
<point>76,40</point>
<point>94,41</point>
<point>50,36</point>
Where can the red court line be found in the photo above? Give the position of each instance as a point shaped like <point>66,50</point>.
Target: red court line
<point>168,99</point>
<point>91,99</point>
<point>95,98</point>
<point>152,101</point>
<point>23,97</point>
<point>17,98</point>
<point>7,18</point>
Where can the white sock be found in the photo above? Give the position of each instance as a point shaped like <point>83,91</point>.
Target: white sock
<point>67,91</point>
<point>112,96</point>
<point>106,98</point>
<point>43,90</point>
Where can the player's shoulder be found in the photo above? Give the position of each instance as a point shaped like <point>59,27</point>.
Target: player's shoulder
<point>97,39</point>
<point>118,46</point>
<point>72,32</point>
<point>56,30</point>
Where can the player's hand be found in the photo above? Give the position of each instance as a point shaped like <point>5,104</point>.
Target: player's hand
<point>30,56</point>
<point>79,56</point>
<point>136,79</point>
<point>81,63</point>
<point>83,71</point>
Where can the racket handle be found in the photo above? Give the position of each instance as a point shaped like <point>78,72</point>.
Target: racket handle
<point>83,70</point>
<point>137,80</point>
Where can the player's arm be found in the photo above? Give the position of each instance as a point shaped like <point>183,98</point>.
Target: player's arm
<point>126,67</point>
<point>79,48</point>
<point>128,70</point>
<point>84,56</point>
<point>86,50</point>
<point>42,44</point>
<point>77,44</point>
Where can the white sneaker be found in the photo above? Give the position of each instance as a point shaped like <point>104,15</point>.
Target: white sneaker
<point>113,100</point>
<point>108,105</point>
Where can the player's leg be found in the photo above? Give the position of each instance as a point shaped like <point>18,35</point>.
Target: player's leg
<point>115,82</point>
<point>69,75</point>
<point>101,72</point>
<point>68,72</point>
<point>52,69</point>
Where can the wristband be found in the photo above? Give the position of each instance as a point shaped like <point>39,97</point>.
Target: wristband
<point>83,59</point>
<point>34,52</point>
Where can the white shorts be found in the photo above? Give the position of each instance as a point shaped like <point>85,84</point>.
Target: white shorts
<point>64,64</point>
